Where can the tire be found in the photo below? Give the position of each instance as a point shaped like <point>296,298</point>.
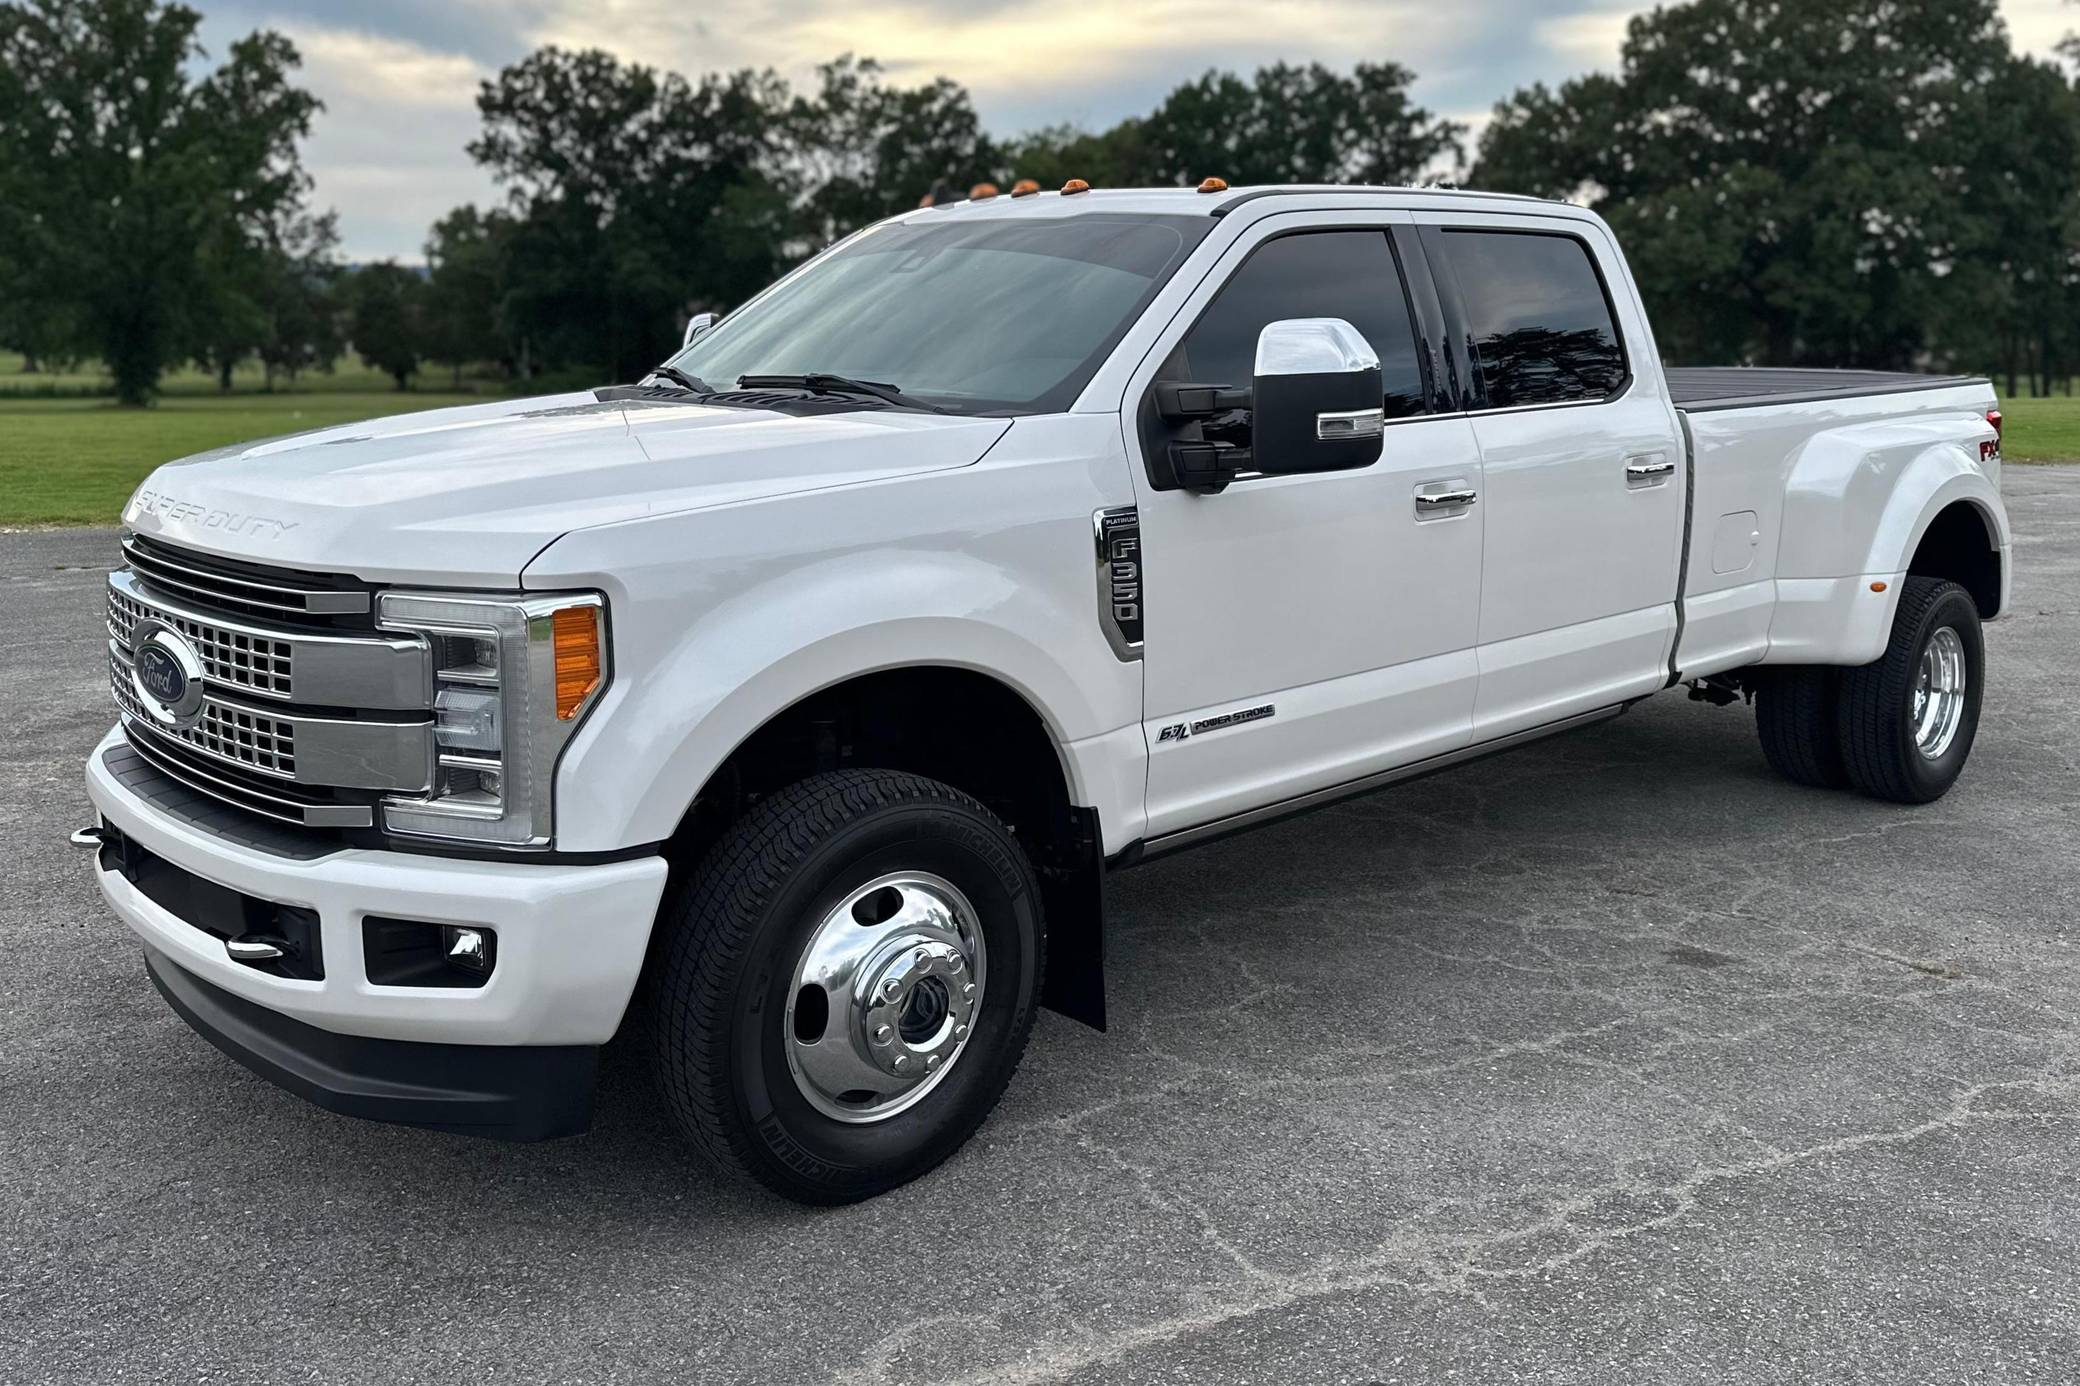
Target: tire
<point>1797,717</point>
<point>739,1047</point>
<point>1877,709</point>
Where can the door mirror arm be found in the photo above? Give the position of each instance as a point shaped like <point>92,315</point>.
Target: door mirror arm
<point>1180,400</point>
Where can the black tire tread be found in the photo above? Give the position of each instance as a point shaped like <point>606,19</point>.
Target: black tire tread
<point>1795,716</point>
<point>1868,718</point>
<point>711,920</point>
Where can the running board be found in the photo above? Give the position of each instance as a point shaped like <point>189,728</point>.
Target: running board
<point>1321,798</point>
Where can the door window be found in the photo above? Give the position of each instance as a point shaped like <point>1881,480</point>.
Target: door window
<point>1538,316</point>
<point>1320,274</point>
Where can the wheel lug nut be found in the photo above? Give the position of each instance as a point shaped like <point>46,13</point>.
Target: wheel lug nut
<point>960,1032</point>
<point>891,987</point>
<point>967,988</point>
<point>953,964</point>
<point>922,956</point>
<point>883,1034</point>
<point>932,1062</point>
<point>901,1059</point>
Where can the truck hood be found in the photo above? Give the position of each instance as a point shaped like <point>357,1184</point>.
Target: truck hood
<point>466,497</point>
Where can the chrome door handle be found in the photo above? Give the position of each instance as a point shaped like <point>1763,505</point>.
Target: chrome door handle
<point>1639,471</point>
<point>1439,500</point>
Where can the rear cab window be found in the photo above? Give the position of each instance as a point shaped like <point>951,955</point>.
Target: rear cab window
<point>1537,316</point>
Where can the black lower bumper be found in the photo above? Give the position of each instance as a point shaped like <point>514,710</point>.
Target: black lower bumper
<point>507,1092</point>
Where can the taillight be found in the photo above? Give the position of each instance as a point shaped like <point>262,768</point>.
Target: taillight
<point>1993,416</point>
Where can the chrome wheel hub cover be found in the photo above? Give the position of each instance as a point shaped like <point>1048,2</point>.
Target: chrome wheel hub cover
<point>1937,709</point>
<point>884,997</point>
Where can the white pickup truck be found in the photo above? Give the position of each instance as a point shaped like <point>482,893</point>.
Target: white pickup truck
<point>792,706</point>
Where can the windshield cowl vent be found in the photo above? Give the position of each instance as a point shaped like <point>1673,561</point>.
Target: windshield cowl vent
<point>782,401</point>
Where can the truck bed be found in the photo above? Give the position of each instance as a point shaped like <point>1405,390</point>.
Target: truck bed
<point>1701,389</point>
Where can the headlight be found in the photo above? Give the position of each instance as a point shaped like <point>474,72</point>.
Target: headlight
<point>512,680</point>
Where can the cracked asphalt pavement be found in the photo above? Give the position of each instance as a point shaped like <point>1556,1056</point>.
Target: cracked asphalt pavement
<point>1613,1059</point>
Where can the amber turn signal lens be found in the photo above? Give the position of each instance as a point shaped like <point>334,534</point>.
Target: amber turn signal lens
<point>1214,185</point>
<point>1075,185</point>
<point>578,660</point>
<point>1877,587</point>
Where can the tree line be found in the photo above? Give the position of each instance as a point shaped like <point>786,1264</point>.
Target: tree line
<point>1828,182</point>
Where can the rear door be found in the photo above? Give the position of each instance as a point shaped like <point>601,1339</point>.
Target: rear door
<point>1582,466</point>
<point>1306,630</point>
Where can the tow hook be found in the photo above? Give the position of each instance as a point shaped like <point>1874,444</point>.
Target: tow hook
<point>87,839</point>
<point>251,950</point>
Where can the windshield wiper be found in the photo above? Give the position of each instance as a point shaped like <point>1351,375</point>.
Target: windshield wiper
<point>683,380</point>
<point>824,383</point>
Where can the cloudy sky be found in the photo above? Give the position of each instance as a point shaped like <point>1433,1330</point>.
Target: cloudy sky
<point>399,77</point>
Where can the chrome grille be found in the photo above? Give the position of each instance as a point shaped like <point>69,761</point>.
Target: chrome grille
<point>266,744</point>
<point>302,712</point>
<point>286,803</point>
<point>243,588</point>
<point>280,660</point>
<point>245,658</point>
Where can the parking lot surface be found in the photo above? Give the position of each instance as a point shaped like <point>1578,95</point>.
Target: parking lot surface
<point>1612,1060</point>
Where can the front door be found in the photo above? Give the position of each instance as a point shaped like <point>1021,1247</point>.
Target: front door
<point>1304,631</point>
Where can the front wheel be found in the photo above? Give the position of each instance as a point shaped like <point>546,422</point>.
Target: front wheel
<point>1907,721</point>
<point>846,984</point>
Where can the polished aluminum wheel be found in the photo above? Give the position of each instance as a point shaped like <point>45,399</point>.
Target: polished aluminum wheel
<point>1939,693</point>
<point>885,997</point>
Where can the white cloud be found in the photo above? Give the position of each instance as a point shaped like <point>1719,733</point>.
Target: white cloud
<point>2039,25</point>
<point>1586,41</point>
<point>387,153</point>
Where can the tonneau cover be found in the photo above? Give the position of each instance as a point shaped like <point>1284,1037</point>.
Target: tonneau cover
<point>1698,389</point>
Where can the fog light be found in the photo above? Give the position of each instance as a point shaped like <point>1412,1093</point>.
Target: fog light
<point>469,949</point>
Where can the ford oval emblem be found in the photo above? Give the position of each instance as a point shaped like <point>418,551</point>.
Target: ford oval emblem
<point>161,675</point>
<point>166,674</point>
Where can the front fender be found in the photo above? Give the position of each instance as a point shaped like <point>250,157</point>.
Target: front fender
<point>722,620</point>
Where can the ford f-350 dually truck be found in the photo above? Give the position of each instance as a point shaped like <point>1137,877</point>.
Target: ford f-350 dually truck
<point>792,705</point>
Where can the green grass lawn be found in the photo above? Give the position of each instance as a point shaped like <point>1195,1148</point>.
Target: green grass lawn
<point>2041,430</point>
<point>76,461</point>
<point>348,377</point>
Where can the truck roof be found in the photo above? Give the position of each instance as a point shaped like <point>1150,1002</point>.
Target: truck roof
<point>1192,202</point>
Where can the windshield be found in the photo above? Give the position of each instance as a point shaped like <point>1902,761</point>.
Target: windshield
<point>986,316</point>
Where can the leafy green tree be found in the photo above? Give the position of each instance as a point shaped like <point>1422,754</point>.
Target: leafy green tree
<point>1801,180</point>
<point>299,293</point>
<point>1285,124</point>
<point>125,175</point>
<point>1051,156</point>
<point>864,150</point>
<point>466,271</point>
<point>387,319</point>
<point>1295,125</point>
<point>632,194</point>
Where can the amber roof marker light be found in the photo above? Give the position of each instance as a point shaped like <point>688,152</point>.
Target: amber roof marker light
<point>1025,187</point>
<point>1214,185</point>
<point>1073,186</point>
<point>982,192</point>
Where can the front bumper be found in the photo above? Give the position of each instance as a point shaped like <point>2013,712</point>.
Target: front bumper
<point>508,1092</point>
<point>571,938</point>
